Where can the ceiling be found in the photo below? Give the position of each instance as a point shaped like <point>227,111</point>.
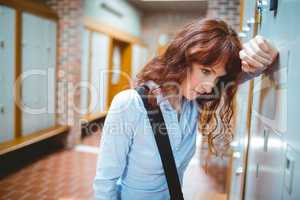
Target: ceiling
<point>170,5</point>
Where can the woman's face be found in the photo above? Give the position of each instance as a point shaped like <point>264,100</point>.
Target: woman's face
<point>201,80</point>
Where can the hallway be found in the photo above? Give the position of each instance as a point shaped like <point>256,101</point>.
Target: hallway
<point>63,174</point>
<point>235,63</point>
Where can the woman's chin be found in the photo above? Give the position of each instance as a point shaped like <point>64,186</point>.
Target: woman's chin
<point>191,96</point>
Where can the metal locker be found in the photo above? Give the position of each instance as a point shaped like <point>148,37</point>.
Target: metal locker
<point>242,114</point>
<point>291,175</point>
<point>139,59</point>
<point>293,92</point>
<point>99,71</point>
<point>238,145</point>
<point>38,73</point>
<point>271,167</point>
<point>7,73</point>
<point>272,102</point>
<point>50,65</point>
<point>84,93</point>
<point>292,136</point>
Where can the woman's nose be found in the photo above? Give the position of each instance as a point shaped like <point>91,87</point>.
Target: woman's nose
<point>208,88</point>
<point>209,85</point>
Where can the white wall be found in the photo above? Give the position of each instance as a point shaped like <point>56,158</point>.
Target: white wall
<point>129,21</point>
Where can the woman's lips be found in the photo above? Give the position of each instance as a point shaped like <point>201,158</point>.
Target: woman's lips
<point>197,93</point>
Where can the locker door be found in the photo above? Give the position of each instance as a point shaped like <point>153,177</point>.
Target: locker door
<point>292,136</point>
<point>292,17</point>
<point>50,66</point>
<point>243,101</point>
<point>139,59</point>
<point>291,175</point>
<point>99,72</point>
<point>7,73</point>
<point>271,169</point>
<point>85,71</point>
<point>38,71</point>
<point>270,105</point>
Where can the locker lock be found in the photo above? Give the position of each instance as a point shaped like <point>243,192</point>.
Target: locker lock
<point>239,171</point>
<point>261,7</point>
<point>2,109</point>
<point>289,171</point>
<point>266,139</point>
<point>273,5</point>
<point>2,44</point>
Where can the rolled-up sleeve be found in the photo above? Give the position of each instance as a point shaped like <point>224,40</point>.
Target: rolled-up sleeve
<point>115,143</point>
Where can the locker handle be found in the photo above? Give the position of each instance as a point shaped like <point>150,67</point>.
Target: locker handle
<point>246,29</point>
<point>266,140</point>
<point>2,111</point>
<point>273,5</point>
<point>250,22</point>
<point>239,171</point>
<point>236,154</point>
<point>289,173</point>
<point>2,44</point>
<point>242,35</point>
<point>257,170</point>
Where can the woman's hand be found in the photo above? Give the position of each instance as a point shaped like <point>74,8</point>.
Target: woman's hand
<point>257,54</point>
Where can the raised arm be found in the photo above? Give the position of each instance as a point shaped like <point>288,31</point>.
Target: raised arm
<point>257,56</point>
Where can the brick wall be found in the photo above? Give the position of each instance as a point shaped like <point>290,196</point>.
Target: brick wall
<point>70,26</point>
<point>229,10</point>
<point>154,24</point>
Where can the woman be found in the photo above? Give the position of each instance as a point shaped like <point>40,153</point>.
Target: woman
<point>205,61</point>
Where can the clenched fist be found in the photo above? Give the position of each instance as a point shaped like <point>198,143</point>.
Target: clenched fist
<point>257,54</point>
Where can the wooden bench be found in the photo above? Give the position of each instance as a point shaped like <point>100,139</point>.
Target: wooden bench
<point>24,141</point>
<point>88,121</point>
<point>93,117</point>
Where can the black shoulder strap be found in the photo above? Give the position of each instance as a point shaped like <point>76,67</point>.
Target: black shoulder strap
<point>163,144</point>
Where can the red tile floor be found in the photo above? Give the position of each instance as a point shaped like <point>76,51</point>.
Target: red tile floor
<point>67,174</point>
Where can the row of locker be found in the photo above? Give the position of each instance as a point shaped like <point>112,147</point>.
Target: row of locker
<point>108,64</point>
<point>38,69</point>
<point>104,68</point>
<point>267,143</point>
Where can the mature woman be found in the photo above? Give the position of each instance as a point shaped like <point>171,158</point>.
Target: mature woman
<point>197,75</point>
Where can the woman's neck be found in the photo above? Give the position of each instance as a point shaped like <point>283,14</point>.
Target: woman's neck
<point>176,102</point>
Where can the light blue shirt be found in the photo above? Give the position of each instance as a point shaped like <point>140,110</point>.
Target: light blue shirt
<point>129,165</point>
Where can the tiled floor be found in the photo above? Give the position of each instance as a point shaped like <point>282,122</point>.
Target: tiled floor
<point>62,175</point>
<point>68,175</point>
